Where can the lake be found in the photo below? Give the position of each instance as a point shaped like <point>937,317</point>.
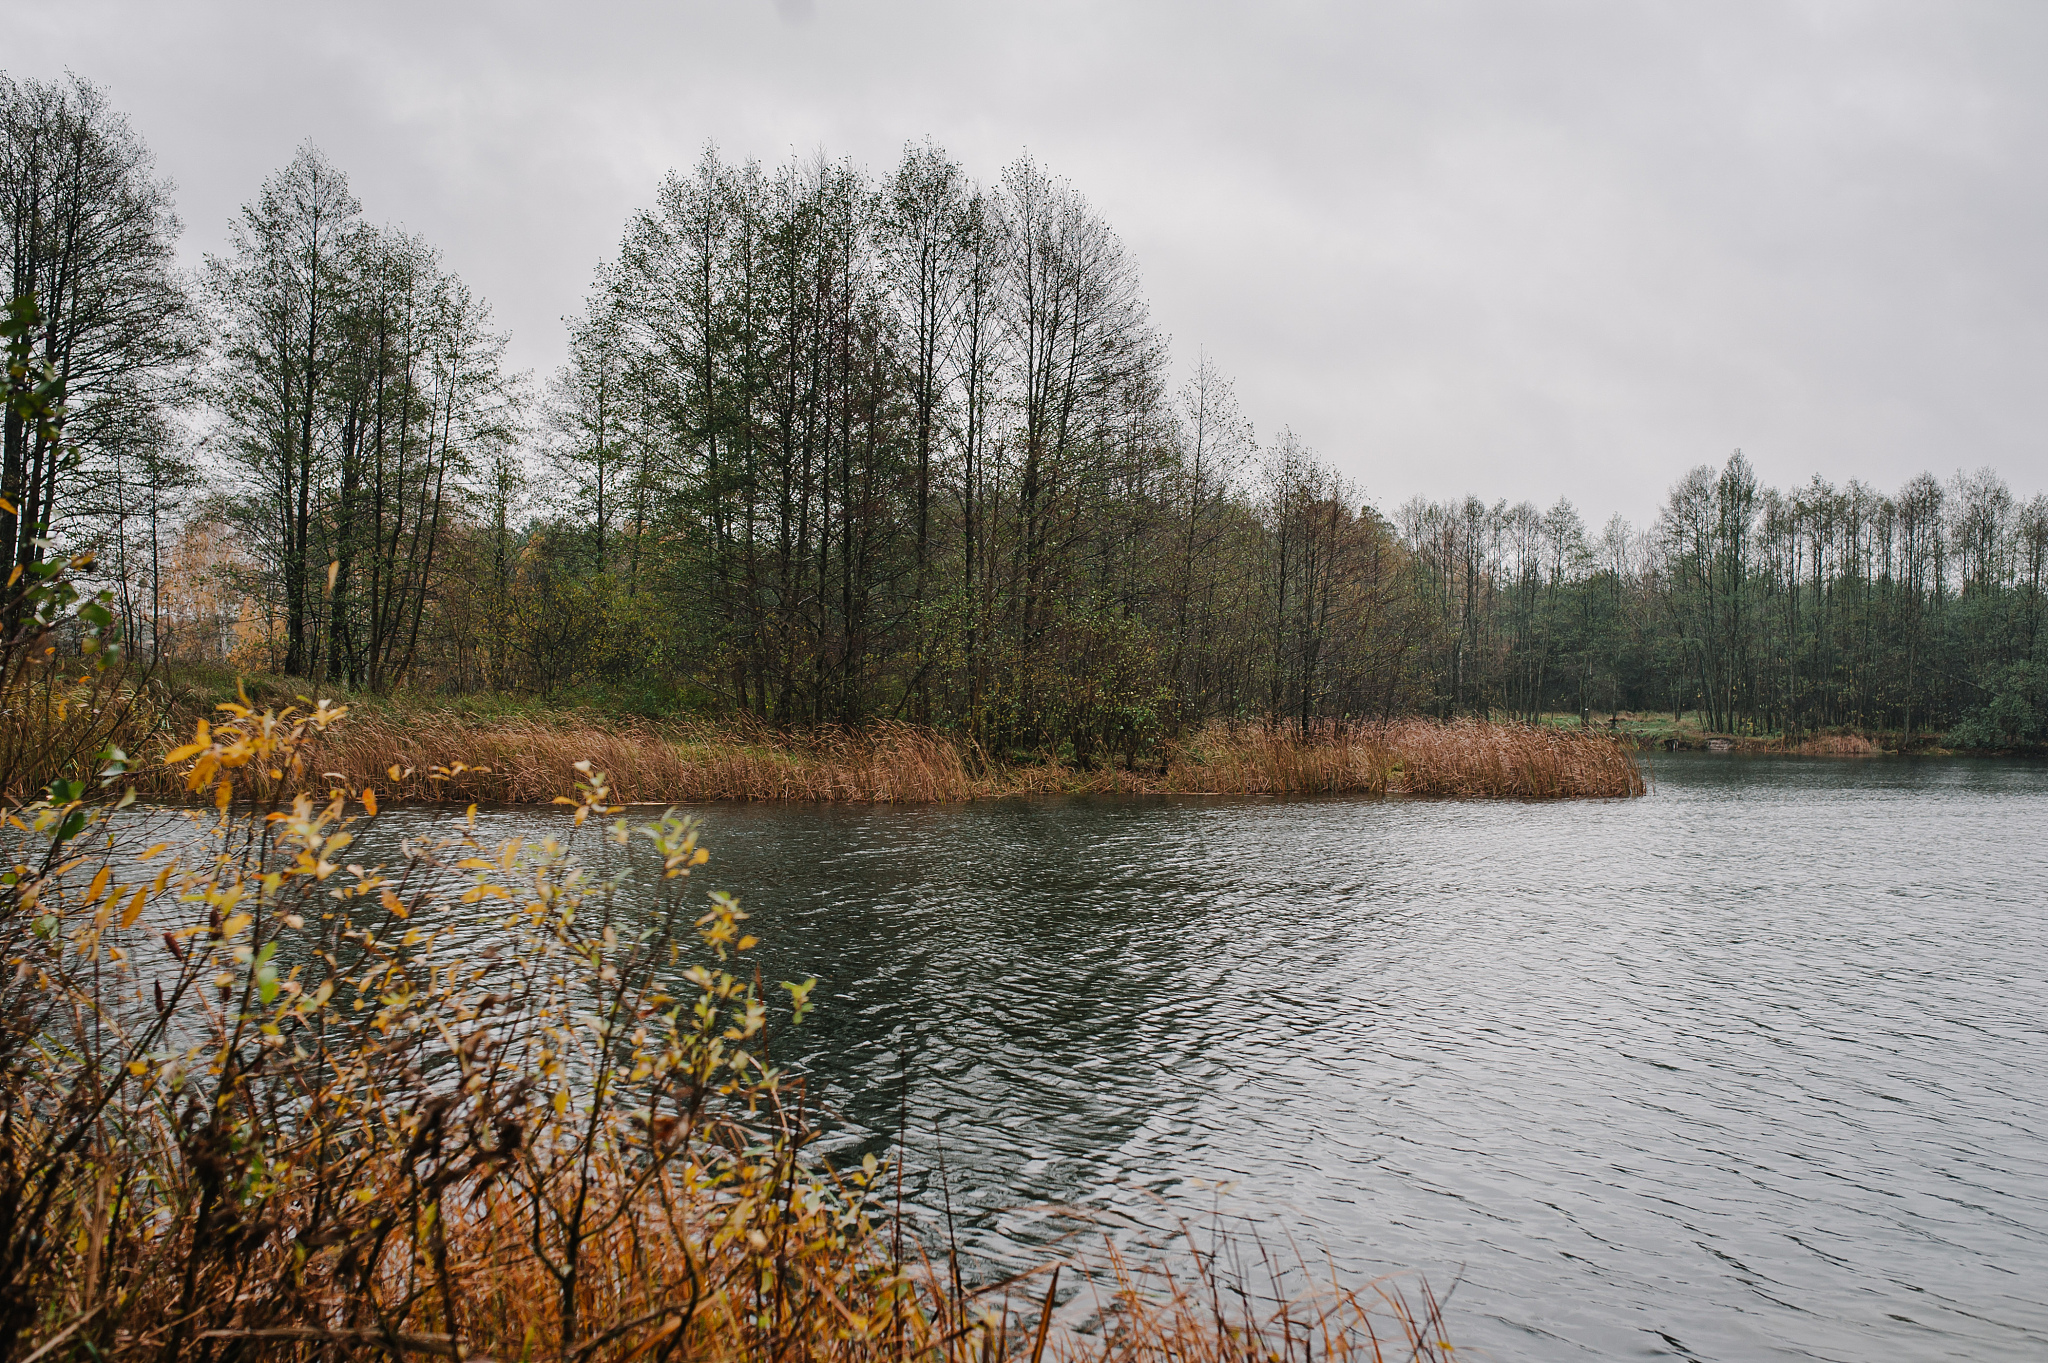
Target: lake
<point>1753,1067</point>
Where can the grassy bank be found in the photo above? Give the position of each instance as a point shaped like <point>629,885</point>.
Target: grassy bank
<point>501,754</point>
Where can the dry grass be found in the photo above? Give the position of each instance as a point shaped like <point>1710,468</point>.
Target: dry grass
<point>1837,745</point>
<point>526,762</point>
<point>1229,1301</point>
<point>849,1298</point>
<point>442,756</point>
<point>1511,761</point>
<point>1469,759</point>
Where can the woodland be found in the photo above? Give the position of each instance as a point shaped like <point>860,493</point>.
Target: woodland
<point>835,446</point>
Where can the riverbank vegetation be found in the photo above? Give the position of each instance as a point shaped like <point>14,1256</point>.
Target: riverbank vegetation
<point>260,1104</point>
<point>834,447</point>
<point>453,754</point>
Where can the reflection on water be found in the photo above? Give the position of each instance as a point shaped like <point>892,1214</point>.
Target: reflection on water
<point>1751,1068</point>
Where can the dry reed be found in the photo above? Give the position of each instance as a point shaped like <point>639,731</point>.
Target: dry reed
<point>431,755</point>
<point>1511,761</point>
<point>1229,1301</point>
<point>1837,745</point>
<point>1470,759</point>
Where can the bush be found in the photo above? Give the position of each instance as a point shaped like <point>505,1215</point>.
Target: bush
<point>2015,716</point>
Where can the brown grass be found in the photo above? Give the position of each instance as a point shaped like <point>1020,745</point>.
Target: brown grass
<point>1219,1298</point>
<point>445,757</point>
<point>527,761</point>
<point>1837,745</point>
<point>1469,759</point>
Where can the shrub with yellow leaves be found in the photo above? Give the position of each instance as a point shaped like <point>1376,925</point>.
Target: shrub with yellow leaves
<point>264,1095</point>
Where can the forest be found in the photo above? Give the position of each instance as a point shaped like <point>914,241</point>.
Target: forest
<point>834,446</point>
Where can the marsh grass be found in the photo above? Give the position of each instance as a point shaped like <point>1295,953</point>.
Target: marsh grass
<point>1837,745</point>
<point>1470,759</point>
<point>449,755</point>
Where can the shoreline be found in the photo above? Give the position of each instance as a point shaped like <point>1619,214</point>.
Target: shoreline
<point>445,757</point>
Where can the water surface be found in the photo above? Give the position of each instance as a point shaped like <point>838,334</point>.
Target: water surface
<point>1750,1068</point>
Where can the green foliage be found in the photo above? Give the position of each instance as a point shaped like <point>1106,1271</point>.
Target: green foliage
<point>2015,716</point>
<point>1766,612</point>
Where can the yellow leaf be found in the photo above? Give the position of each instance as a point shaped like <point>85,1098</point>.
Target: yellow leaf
<point>221,795</point>
<point>98,886</point>
<point>180,754</point>
<point>146,853</point>
<point>370,800</point>
<point>233,926</point>
<point>393,905</point>
<point>135,903</point>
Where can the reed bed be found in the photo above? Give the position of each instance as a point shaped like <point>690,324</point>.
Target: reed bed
<point>1468,759</point>
<point>431,756</point>
<point>1837,745</point>
<point>1472,759</point>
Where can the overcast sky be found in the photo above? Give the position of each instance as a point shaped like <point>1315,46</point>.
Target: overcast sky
<point>1520,249</point>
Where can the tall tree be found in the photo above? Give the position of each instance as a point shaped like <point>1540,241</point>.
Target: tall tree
<point>281,293</point>
<point>91,236</point>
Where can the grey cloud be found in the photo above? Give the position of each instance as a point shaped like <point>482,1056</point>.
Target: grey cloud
<point>1522,249</point>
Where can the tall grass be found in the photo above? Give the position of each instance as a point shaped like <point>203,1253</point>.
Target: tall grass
<point>1837,745</point>
<point>258,1100</point>
<point>1471,759</point>
<point>440,755</point>
<point>1511,761</point>
<point>523,761</point>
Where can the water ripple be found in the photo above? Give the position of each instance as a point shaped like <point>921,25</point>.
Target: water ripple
<point>1750,1068</point>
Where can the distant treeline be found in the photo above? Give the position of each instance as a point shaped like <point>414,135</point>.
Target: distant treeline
<point>833,447</point>
<point>1766,611</point>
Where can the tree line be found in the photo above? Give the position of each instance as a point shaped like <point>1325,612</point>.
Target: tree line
<point>833,446</point>
<point>1766,611</point>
